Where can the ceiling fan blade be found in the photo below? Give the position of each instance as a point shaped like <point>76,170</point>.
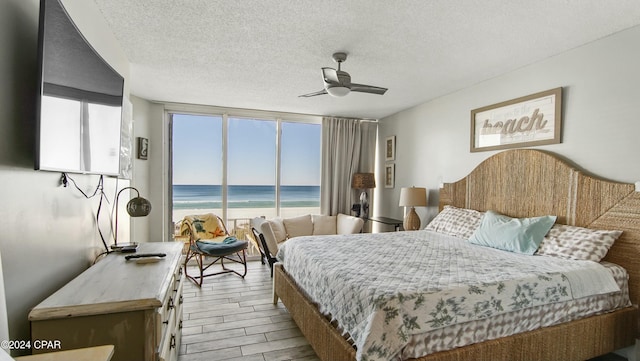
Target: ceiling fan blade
<point>330,76</point>
<point>367,89</point>
<point>321,92</point>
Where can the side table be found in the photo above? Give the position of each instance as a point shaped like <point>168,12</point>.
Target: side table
<point>397,223</point>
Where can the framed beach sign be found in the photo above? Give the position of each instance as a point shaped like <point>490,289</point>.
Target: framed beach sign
<point>534,119</point>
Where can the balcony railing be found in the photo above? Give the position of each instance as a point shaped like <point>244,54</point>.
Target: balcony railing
<point>237,227</point>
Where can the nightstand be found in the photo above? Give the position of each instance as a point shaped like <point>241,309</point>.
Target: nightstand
<point>397,223</point>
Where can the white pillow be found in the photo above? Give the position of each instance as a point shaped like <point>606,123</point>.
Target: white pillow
<point>324,224</point>
<point>279,232</point>
<point>346,224</point>
<point>298,226</point>
<point>269,236</point>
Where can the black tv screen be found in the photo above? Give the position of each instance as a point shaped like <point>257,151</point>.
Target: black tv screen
<point>79,102</point>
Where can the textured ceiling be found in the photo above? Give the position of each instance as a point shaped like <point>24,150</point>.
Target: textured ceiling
<point>262,54</point>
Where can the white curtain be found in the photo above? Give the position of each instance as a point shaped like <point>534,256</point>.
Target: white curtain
<point>348,147</point>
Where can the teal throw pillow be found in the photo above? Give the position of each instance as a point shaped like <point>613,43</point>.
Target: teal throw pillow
<point>520,235</point>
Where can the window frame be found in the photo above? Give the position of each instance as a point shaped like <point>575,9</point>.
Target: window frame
<point>225,114</point>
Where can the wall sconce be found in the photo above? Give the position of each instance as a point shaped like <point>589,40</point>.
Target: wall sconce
<point>363,181</point>
<point>412,197</point>
<point>136,207</point>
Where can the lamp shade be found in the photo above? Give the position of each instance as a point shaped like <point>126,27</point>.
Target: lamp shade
<point>136,207</point>
<point>363,181</point>
<point>413,197</point>
<point>139,207</point>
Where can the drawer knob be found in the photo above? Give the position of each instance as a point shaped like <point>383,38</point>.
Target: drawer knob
<point>171,305</point>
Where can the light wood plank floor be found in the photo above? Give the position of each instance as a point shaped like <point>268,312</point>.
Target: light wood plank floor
<point>234,319</point>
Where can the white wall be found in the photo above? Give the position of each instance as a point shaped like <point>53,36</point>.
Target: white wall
<point>48,232</point>
<point>151,175</point>
<point>600,120</point>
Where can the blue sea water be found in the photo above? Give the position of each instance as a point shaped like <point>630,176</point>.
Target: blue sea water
<point>210,196</point>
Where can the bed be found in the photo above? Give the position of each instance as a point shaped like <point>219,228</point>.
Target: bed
<point>518,183</point>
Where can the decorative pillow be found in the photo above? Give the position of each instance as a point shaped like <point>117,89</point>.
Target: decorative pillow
<point>279,232</point>
<point>457,222</point>
<point>346,224</point>
<point>298,226</point>
<point>579,243</point>
<point>266,229</point>
<point>324,224</point>
<point>519,235</point>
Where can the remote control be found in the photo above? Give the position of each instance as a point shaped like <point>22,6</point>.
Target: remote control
<point>144,255</point>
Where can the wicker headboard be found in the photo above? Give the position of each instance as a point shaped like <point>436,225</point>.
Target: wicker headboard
<point>526,183</point>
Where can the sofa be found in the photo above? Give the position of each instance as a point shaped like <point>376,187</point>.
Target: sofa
<point>277,230</point>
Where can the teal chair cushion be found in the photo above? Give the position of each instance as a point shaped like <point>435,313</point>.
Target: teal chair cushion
<point>216,249</point>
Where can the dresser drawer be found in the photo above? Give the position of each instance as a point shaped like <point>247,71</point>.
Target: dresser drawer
<point>168,340</point>
<point>169,325</point>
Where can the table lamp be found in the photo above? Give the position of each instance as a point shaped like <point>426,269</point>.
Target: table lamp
<point>363,181</point>
<point>412,197</point>
<point>136,207</point>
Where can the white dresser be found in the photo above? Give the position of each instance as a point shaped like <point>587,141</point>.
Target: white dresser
<point>137,307</point>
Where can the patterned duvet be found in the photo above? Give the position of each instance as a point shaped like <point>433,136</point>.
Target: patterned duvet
<point>406,294</point>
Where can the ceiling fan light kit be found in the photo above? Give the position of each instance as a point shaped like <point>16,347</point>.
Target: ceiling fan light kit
<point>338,83</point>
<point>338,91</point>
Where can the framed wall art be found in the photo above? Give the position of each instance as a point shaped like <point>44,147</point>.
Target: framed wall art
<point>143,148</point>
<point>390,148</point>
<point>534,119</point>
<point>389,175</point>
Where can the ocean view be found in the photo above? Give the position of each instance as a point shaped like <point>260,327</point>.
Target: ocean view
<point>242,196</point>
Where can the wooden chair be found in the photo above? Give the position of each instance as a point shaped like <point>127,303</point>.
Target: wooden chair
<point>209,238</point>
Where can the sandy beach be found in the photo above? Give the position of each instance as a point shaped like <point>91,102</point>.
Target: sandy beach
<point>247,213</point>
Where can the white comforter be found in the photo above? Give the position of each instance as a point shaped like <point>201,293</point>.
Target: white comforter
<point>383,288</point>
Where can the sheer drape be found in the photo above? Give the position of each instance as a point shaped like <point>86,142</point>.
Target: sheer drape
<point>348,147</point>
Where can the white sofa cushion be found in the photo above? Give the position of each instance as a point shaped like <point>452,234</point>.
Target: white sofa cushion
<point>323,224</point>
<point>346,224</point>
<point>298,226</point>
<point>279,232</point>
<point>266,228</point>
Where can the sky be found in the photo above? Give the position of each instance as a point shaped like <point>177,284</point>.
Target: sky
<point>197,151</point>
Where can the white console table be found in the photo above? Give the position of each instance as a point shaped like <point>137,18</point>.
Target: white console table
<point>137,307</point>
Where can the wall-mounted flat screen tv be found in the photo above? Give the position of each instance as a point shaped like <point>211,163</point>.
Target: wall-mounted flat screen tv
<point>79,105</point>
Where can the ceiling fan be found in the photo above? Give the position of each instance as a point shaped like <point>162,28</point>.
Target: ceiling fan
<point>338,83</point>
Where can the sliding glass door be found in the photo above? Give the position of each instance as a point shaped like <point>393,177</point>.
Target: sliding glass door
<point>197,164</point>
<point>244,167</point>
<point>251,168</point>
<point>300,169</point>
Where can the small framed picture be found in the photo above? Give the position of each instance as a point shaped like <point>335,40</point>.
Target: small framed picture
<point>389,175</point>
<point>143,148</point>
<point>390,148</point>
